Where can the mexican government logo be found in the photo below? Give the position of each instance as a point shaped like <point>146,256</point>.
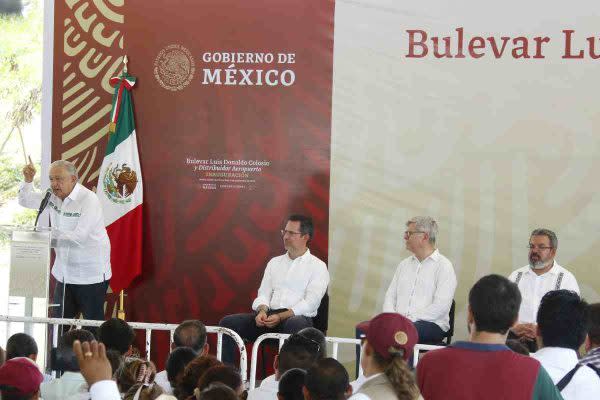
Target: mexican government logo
<point>174,67</point>
<point>119,183</point>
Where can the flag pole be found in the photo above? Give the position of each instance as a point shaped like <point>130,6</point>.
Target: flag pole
<point>121,311</point>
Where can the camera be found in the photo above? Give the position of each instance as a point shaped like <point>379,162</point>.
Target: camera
<point>62,360</point>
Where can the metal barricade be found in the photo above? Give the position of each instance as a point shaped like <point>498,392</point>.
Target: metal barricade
<point>421,347</point>
<point>281,337</point>
<point>148,327</point>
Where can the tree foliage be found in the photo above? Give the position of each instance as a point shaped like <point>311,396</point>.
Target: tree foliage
<point>20,67</point>
<point>21,44</point>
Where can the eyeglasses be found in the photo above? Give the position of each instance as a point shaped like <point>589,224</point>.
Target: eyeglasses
<point>408,234</point>
<point>540,248</point>
<point>302,340</point>
<point>291,233</point>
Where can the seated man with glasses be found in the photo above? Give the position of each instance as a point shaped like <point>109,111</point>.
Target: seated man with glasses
<point>540,276</point>
<point>290,292</point>
<point>423,286</point>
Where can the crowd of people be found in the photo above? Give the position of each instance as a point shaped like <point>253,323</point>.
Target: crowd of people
<point>103,368</point>
<point>536,310</point>
<point>483,366</point>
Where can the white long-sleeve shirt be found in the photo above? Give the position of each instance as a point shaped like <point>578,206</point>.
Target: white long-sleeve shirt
<point>266,391</point>
<point>70,386</point>
<point>82,244</point>
<point>423,290</point>
<point>105,390</point>
<point>533,287</point>
<point>297,284</point>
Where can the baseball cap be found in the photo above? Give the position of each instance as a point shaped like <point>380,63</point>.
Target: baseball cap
<point>390,333</point>
<point>22,375</point>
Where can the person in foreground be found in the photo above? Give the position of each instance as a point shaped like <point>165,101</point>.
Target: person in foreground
<point>290,385</point>
<point>562,326</point>
<point>592,341</point>
<point>190,334</point>
<point>71,385</point>
<point>20,379</point>
<point>96,369</point>
<point>484,367</point>
<point>327,380</point>
<point>297,351</point>
<point>389,342</point>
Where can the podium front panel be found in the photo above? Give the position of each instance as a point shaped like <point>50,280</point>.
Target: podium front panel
<point>29,264</point>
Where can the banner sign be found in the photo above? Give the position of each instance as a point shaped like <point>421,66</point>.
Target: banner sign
<point>233,123</point>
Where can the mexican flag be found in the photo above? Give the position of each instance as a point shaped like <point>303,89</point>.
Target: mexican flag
<point>120,188</point>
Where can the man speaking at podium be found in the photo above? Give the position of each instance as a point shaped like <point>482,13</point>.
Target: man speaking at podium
<point>79,239</point>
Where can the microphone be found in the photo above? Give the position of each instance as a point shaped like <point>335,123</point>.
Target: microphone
<point>43,205</point>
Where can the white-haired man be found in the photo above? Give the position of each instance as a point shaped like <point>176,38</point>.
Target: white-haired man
<point>81,243</point>
<point>423,286</point>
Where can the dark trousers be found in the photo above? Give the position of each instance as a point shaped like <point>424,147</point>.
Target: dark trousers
<point>85,299</point>
<point>245,326</point>
<point>429,333</point>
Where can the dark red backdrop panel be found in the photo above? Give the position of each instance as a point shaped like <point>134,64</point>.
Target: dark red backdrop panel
<point>207,239</point>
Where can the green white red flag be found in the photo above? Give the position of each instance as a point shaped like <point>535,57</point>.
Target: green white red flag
<point>120,188</point>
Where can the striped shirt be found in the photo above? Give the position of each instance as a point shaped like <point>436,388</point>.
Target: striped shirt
<point>592,357</point>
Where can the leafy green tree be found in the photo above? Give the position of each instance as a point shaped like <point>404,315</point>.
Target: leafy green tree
<point>21,43</point>
<point>21,70</point>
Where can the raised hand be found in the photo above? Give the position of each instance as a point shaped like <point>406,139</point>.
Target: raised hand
<point>29,171</point>
<point>93,363</point>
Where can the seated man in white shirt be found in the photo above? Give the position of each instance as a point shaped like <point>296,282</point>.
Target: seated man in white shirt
<point>290,292</point>
<point>534,280</point>
<point>423,286</point>
<point>562,327</point>
<point>71,385</point>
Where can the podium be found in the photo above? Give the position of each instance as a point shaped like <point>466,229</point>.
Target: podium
<point>26,276</point>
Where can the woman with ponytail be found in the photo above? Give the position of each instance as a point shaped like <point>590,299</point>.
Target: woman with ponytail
<point>135,380</point>
<point>389,342</point>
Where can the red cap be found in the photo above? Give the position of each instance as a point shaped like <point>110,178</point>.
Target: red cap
<point>22,374</point>
<point>390,332</point>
